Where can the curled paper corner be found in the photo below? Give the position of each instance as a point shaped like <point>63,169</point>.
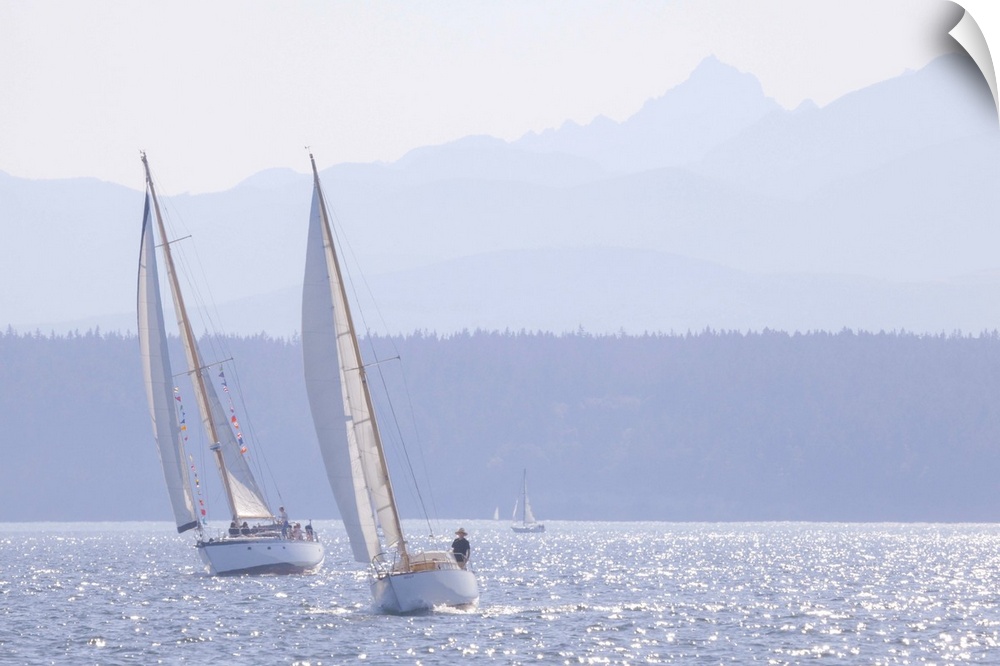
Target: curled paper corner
<point>968,34</point>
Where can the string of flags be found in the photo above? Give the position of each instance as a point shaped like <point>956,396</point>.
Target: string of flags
<point>232,411</point>
<point>180,413</point>
<point>201,500</point>
<point>182,420</point>
<point>182,417</point>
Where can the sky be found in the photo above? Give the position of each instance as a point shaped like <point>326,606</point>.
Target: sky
<point>216,92</point>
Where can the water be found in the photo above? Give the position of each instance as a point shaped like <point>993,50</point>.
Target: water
<point>604,593</point>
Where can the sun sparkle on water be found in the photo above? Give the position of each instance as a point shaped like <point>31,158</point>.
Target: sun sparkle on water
<point>580,593</point>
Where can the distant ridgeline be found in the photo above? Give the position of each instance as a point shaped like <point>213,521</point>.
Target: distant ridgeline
<point>714,426</point>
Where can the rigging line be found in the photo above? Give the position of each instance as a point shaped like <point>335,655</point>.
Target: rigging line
<point>260,457</point>
<point>420,449</point>
<point>172,221</point>
<point>210,482</point>
<point>406,390</point>
<point>344,243</point>
<point>199,291</point>
<point>214,338</point>
<point>406,453</point>
<point>191,266</point>
<point>413,424</point>
<point>188,259</point>
<point>416,431</point>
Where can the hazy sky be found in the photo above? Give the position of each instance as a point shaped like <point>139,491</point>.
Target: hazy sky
<point>218,91</point>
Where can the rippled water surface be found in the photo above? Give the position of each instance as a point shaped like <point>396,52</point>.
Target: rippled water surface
<point>581,593</point>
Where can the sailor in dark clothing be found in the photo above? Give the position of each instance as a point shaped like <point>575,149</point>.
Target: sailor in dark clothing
<point>461,548</point>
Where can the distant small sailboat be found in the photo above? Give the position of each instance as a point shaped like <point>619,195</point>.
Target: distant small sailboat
<point>524,520</point>
<point>339,395</point>
<point>260,548</point>
<point>496,513</point>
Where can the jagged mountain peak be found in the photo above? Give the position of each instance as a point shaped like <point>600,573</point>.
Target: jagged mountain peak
<point>714,103</point>
<point>711,81</point>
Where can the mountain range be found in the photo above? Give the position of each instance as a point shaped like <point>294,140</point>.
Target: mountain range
<point>711,207</point>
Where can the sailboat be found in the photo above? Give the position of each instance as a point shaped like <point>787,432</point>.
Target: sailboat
<point>524,520</point>
<point>264,546</point>
<point>336,382</point>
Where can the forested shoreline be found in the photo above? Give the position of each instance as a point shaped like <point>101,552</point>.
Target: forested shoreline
<point>851,426</point>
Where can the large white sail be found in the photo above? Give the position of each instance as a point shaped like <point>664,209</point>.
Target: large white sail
<point>529,517</point>
<point>159,383</point>
<point>354,460</point>
<point>248,500</point>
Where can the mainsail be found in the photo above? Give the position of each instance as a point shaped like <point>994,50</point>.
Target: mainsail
<point>353,456</point>
<point>525,516</point>
<point>528,516</point>
<point>159,383</point>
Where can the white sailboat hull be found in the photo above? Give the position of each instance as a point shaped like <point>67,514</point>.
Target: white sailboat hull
<point>425,590</point>
<point>256,555</point>
<point>526,529</point>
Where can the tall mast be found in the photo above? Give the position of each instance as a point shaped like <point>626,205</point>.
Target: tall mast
<point>332,253</point>
<point>190,348</point>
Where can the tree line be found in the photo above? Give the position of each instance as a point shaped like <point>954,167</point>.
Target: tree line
<point>710,425</point>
